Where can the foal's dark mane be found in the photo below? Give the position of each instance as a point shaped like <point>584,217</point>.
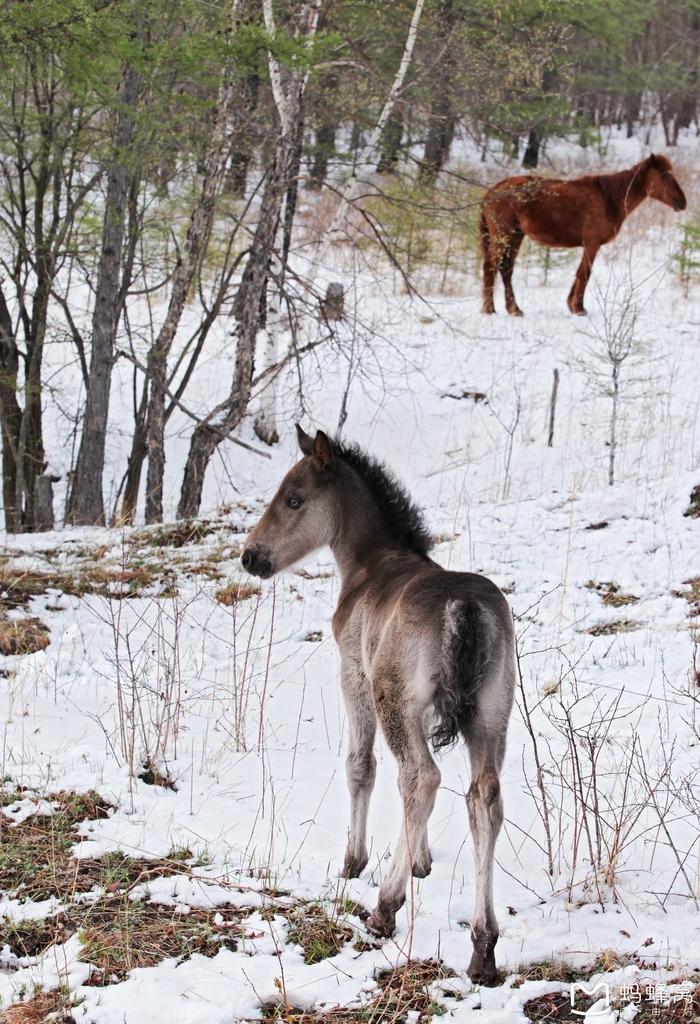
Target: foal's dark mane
<point>402,516</point>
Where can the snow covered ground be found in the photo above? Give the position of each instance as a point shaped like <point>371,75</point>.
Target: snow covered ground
<point>241,707</point>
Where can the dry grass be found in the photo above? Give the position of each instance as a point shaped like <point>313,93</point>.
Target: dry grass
<point>176,535</point>
<point>615,627</point>
<point>234,593</point>
<point>693,509</point>
<point>611,594</point>
<point>546,970</point>
<point>314,637</point>
<point>25,635</point>
<point>35,860</point>
<point>35,855</point>
<point>403,990</point>
<point>18,587</point>
<point>54,1006</point>
<point>151,775</point>
<point>120,934</point>
<point>319,935</point>
<point>691,594</point>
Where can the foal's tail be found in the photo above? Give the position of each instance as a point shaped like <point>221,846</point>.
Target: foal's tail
<point>463,660</point>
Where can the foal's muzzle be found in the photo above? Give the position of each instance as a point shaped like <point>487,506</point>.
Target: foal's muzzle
<point>256,561</point>
<point>680,204</point>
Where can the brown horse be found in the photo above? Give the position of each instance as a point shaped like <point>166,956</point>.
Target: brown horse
<point>428,653</point>
<point>586,212</point>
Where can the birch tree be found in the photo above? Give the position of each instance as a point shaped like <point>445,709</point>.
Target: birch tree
<point>288,89</point>
<point>265,256</point>
<point>354,185</point>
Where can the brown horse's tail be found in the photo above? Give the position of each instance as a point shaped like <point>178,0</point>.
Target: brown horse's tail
<point>484,234</point>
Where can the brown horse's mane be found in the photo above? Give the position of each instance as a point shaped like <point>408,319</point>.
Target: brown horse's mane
<point>617,184</point>
<point>401,515</point>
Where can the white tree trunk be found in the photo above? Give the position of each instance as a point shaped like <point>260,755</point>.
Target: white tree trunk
<point>288,96</point>
<point>354,185</point>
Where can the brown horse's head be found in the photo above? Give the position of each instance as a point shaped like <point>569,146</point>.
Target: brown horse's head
<point>661,183</point>
<point>302,515</point>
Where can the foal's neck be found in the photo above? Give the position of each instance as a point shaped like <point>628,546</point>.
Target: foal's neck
<point>363,538</point>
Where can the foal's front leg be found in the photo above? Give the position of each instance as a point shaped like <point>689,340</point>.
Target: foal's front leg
<point>419,779</point>
<point>360,763</point>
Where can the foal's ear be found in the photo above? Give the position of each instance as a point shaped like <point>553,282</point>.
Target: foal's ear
<point>322,450</point>
<point>306,443</point>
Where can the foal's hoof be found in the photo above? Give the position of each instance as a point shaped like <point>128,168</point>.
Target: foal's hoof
<point>578,311</point>
<point>516,311</point>
<point>353,866</point>
<point>422,868</point>
<point>482,970</point>
<point>381,923</point>
<point>488,308</point>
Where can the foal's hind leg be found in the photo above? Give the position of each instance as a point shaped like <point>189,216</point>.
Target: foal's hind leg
<point>485,818</point>
<point>419,779</point>
<point>360,763</point>
<point>506,267</point>
<point>422,862</point>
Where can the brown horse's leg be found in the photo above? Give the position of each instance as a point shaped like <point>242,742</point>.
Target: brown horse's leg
<point>491,251</point>
<point>575,299</point>
<point>489,274</point>
<point>506,267</point>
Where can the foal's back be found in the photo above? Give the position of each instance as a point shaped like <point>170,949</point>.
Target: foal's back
<point>410,619</point>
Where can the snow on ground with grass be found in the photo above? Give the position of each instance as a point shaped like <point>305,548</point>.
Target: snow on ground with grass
<point>233,693</point>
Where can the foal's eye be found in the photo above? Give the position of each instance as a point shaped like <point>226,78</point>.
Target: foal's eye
<point>295,501</point>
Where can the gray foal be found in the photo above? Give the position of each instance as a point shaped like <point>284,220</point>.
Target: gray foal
<point>427,652</point>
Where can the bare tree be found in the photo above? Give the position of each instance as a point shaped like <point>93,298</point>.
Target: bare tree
<point>614,341</point>
<point>354,184</point>
<point>149,432</point>
<point>86,502</point>
<point>288,89</point>
<point>251,300</point>
<point>46,180</point>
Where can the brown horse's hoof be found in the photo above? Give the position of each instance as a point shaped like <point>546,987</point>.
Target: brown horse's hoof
<point>516,312</point>
<point>488,309</point>
<point>576,310</point>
